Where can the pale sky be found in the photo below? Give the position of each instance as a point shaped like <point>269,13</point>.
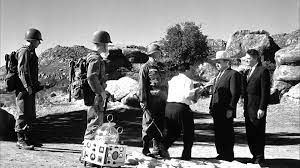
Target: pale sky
<point>139,22</point>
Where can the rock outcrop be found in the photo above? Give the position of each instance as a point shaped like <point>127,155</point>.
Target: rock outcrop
<point>215,45</point>
<point>293,94</point>
<point>241,41</point>
<point>135,55</point>
<point>289,55</point>
<point>287,73</point>
<point>121,87</point>
<point>286,39</point>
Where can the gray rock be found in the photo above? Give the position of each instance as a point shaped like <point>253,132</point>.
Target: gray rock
<point>135,55</point>
<point>287,73</point>
<point>294,92</point>
<point>7,123</point>
<point>286,39</point>
<point>121,87</point>
<point>281,85</point>
<point>288,55</point>
<point>241,41</point>
<point>215,45</point>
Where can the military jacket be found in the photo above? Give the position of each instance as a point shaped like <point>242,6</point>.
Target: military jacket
<point>96,75</point>
<point>28,67</point>
<point>151,83</point>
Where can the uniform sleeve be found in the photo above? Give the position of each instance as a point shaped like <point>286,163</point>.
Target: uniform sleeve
<point>235,90</point>
<point>143,96</point>
<point>23,68</point>
<point>265,90</point>
<point>93,72</point>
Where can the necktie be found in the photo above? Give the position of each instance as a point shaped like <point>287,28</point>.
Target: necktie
<point>219,76</point>
<point>249,74</point>
<point>217,79</point>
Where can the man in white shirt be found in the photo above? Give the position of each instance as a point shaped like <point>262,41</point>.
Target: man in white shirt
<point>178,113</point>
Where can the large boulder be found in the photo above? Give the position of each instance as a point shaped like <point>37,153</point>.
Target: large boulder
<point>286,39</point>
<point>241,41</point>
<point>288,55</point>
<point>7,123</point>
<point>135,56</point>
<point>117,59</point>
<point>287,73</point>
<point>121,87</point>
<point>293,93</point>
<point>281,85</point>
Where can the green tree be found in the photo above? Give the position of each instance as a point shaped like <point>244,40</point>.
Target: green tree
<point>185,42</point>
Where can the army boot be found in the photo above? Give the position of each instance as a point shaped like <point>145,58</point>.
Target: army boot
<point>159,150</point>
<point>21,143</point>
<point>29,140</point>
<point>146,150</point>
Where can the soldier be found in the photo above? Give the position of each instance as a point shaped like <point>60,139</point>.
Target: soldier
<point>152,96</point>
<point>95,94</point>
<point>25,92</point>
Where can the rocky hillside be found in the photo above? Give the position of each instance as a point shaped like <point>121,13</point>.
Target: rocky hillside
<point>215,45</point>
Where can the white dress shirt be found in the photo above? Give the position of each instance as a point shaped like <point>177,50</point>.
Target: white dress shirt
<point>181,89</point>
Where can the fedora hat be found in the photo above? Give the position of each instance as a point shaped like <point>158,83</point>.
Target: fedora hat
<point>221,55</point>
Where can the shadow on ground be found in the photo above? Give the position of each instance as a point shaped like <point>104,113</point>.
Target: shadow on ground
<point>275,163</point>
<point>70,127</point>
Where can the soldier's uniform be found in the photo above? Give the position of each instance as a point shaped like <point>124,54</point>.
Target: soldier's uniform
<point>153,92</point>
<point>28,74</point>
<point>96,78</point>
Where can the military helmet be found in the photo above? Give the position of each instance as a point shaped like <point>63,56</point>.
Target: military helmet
<point>101,37</point>
<point>33,34</point>
<point>152,48</point>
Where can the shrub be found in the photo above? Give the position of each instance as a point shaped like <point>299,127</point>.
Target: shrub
<point>185,43</point>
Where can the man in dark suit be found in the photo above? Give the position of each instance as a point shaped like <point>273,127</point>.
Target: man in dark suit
<point>226,93</point>
<point>256,92</point>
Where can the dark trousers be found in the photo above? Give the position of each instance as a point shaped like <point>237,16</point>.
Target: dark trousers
<point>26,111</point>
<point>224,135</point>
<point>155,111</point>
<point>256,133</point>
<point>179,117</point>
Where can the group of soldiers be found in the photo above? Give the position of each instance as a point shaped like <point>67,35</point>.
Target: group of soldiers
<point>166,110</point>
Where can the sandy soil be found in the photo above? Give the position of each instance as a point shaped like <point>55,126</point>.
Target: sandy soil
<point>61,127</point>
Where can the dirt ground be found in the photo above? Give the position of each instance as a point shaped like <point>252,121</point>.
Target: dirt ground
<point>61,130</point>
